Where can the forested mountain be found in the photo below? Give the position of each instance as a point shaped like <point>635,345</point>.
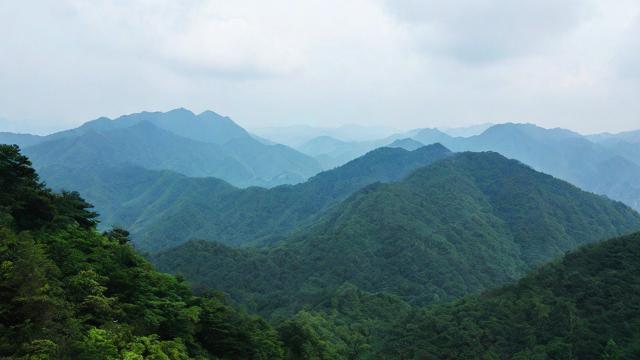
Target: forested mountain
<point>561,153</point>
<point>460,225</point>
<point>68,292</point>
<point>164,209</point>
<point>605,164</point>
<point>584,306</point>
<point>194,145</point>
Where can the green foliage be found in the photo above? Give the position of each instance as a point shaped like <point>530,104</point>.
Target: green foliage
<point>448,230</point>
<point>558,152</point>
<point>68,292</point>
<point>164,209</point>
<point>582,307</point>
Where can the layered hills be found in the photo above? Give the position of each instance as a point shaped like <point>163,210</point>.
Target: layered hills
<point>163,209</point>
<point>606,164</point>
<point>583,306</point>
<point>460,225</point>
<point>194,145</point>
<point>69,292</point>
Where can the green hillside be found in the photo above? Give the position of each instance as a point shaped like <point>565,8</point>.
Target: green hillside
<point>558,152</point>
<point>462,225</point>
<point>164,209</point>
<point>69,292</point>
<point>584,306</point>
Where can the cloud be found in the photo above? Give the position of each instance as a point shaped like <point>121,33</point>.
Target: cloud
<point>482,31</point>
<point>203,37</point>
<point>397,63</point>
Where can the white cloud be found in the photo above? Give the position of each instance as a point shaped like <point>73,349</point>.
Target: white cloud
<point>400,63</point>
<point>480,31</point>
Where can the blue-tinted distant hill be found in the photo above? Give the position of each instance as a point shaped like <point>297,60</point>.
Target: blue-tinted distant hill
<point>407,144</point>
<point>22,140</point>
<point>606,164</point>
<point>195,145</point>
<point>558,152</point>
<point>625,144</point>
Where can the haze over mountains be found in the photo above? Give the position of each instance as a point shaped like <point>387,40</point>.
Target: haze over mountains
<point>462,224</point>
<point>155,156</point>
<point>408,237</point>
<point>605,164</point>
<point>204,145</point>
<point>164,209</point>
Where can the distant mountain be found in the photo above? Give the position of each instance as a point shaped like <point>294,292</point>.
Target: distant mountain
<point>331,152</point>
<point>22,140</point>
<point>164,209</point>
<point>460,225</point>
<point>627,136</point>
<point>295,136</point>
<point>606,164</point>
<point>466,131</point>
<point>407,144</point>
<point>558,152</point>
<point>430,136</point>
<point>195,145</point>
<point>582,307</point>
<point>206,127</point>
<point>626,144</point>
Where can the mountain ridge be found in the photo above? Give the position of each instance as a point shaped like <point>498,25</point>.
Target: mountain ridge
<point>234,216</point>
<point>449,229</point>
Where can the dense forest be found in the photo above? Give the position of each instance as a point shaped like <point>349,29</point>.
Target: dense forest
<point>584,306</point>
<point>163,209</point>
<point>461,225</point>
<point>68,291</point>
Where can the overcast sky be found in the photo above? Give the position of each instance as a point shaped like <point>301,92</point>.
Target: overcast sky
<point>400,63</point>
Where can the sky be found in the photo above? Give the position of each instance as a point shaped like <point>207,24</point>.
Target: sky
<point>396,63</point>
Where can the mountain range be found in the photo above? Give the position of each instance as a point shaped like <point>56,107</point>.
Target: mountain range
<point>605,164</point>
<point>463,224</point>
<point>583,306</point>
<point>405,252</point>
<point>163,209</point>
<point>194,145</point>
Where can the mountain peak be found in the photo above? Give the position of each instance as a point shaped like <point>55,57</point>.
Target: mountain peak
<point>180,112</point>
<point>407,144</point>
<point>208,114</point>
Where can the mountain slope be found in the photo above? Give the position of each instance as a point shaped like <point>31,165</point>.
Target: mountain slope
<point>461,225</point>
<point>206,127</point>
<point>561,153</point>
<point>68,292</point>
<point>195,145</point>
<point>21,140</point>
<point>582,307</point>
<point>143,145</point>
<point>407,144</point>
<point>625,144</point>
<point>164,209</point>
